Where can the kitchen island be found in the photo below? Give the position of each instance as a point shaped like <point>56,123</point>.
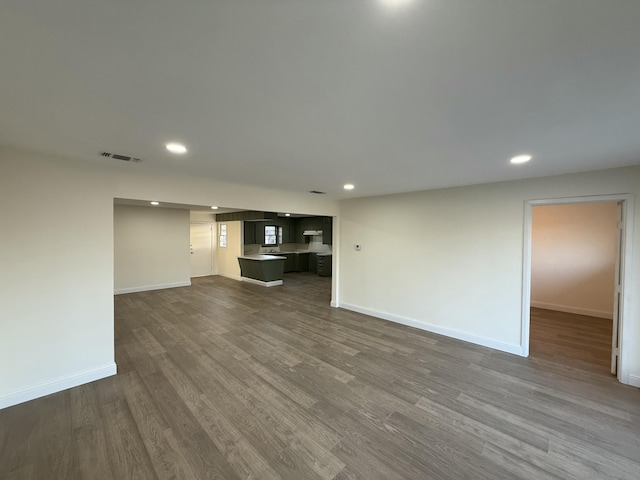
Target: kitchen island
<point>266,270</point>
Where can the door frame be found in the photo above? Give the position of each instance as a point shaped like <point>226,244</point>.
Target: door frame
<point>625,265</point>
<point>212,247</point>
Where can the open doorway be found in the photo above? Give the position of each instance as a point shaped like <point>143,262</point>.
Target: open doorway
<point>573,282</point>
<point>573,264</point>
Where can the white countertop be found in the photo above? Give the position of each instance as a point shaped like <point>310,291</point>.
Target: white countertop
<point>262,258</point>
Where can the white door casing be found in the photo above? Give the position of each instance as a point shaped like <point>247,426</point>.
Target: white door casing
<point>625,228</point>
<point>617,293</point>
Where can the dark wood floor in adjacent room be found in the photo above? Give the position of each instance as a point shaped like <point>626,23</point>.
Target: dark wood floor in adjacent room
<point>230,380</point>
<point>577,340</point>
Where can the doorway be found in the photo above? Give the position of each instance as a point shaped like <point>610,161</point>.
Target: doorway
<point>201,248</point>
<point>579,281</point>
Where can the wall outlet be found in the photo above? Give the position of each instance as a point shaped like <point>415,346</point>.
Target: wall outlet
<point>357,247</point>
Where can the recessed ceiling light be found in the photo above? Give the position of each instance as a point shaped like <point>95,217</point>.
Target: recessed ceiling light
<point>176,148</point>
<point>520,159</point>
<point>214,208</point>
<point>155,203</point>
<point>287,214</point>
<point>349,186</point>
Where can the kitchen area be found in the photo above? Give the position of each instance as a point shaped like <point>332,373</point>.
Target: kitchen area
<point>277,244</point>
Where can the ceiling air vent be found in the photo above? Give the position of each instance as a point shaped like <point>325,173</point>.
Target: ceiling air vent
<point>117,156</point>
<point>317,192</point>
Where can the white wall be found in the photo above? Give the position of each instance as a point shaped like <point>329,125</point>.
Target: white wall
<point>227,257</point>
<point>202,217</point>
<point>573,257</point>
<point>56,259</point>
<point>151,248</point>
<point>451,261</point>
<point>56,278</point>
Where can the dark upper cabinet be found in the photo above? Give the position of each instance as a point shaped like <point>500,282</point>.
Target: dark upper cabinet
<point>292,228</point>
<point>289,231</point>
<point>259,229</point>
<point>302,224</point>
<point>249,233</point>
<point>246,215</point>
<point>299,227</point>
<point>327,230</point>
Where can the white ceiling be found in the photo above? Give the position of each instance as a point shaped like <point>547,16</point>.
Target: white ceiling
<point>181,206</point>
<point>311,94</point>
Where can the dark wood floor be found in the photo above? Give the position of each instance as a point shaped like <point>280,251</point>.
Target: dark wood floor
<point>577,340</point>
<point>230,380</point>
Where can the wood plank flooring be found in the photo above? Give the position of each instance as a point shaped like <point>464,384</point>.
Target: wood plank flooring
<point>577,340</point>
<point>229,380</point>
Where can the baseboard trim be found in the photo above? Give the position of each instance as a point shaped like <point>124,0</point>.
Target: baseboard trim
<point>633,380</point>
<point>569,309</point>
<point>232,277</point>
<point>58,385</point>
<point>147,288</point>
<point>273,283</point>
<point>448,332</point>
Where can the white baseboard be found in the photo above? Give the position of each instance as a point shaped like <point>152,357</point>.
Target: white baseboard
<point>232,277</point>
<point>448,332</point>
<point>334,304</point>
<point>569,309</point>
<point>633,380</point>
<point>146,288</point>
<point>58,385</point>
<point>273,283</point>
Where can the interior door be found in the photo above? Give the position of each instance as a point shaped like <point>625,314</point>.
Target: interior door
<point>617,294</point>
<point>201,240</point>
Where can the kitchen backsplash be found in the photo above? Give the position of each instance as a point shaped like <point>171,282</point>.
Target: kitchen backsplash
<point>315,245</point>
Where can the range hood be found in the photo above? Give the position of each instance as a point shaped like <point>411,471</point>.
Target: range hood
<point>312,233</point>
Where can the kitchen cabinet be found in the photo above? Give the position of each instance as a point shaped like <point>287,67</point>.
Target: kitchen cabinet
<point>288,230</point>
<point>290,264</point>
<point>264,268</point>
<point>302,262</point>
<point>327,230</point>
<point>245,216</point>
<point>313,262</point>
<point>259,232</point>
<point>292,228</point>
<point>306,223</point>
<point>249,233</point>
<point>324,265</point>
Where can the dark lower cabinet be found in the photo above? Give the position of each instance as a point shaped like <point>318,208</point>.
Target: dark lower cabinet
<point>324,265</point>
<point>313,262</point>
<point>303,262</point>
<point>290,264</point>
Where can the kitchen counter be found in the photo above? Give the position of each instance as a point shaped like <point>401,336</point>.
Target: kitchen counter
<point>289,252</point>
<point>260,257</point>
<point>266,270</point>
<point>296,261</point>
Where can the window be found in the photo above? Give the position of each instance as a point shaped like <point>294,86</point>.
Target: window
<point>270,235</point>
<point>222,235</point>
